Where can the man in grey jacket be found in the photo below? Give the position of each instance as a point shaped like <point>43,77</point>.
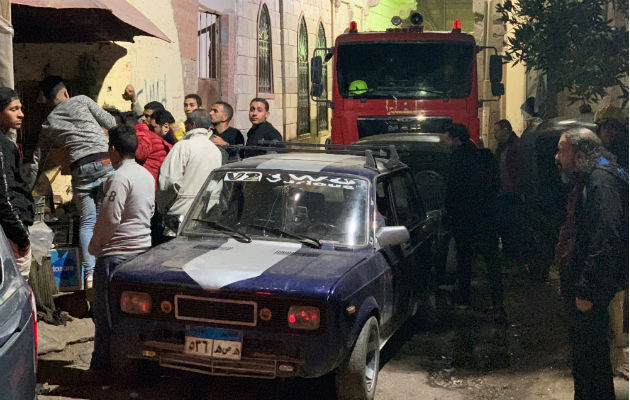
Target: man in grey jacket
<point>78,125</point>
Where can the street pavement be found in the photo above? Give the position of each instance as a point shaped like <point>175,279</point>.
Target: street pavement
<point>462,355</point>
<point>56,338</point>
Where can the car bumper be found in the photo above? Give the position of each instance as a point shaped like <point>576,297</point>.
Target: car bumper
<point>266,355</point>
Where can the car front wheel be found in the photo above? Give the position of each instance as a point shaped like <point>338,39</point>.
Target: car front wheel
<point>356,378</point>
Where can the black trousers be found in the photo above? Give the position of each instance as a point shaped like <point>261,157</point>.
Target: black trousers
<point>485,243</point>
<point>512,226</point>
<point>590,353</point>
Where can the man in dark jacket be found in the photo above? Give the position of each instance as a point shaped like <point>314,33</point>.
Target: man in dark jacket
<point>592,253</point>
<point>261,129</point>
<point>510,207</point>
<point>223,134</point>
<point>470,196</point>
<point>16,202</point>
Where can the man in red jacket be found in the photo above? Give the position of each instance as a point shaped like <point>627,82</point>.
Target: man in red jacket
<point>151,152</point>
<point>152,149</point>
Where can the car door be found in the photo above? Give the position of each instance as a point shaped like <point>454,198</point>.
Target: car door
<point>17,352</point>
<point>409,212</point>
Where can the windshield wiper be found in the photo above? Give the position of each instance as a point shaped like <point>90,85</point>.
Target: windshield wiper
<point>303,238</point>
<point>371,91</point>
<point>444,94</point>
<point>236,234</point>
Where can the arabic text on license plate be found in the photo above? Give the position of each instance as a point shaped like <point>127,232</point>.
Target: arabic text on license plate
<point>213,342</point>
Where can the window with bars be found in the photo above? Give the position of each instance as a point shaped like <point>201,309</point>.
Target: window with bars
<point>208,30</point>
<point>304,107</point>
<point>264,52</point>
<point>322,108</point>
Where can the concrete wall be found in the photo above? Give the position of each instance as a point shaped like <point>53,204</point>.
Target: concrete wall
<point>515,78</point>
<point>185,15</point>
<point>6,48</point>
<point>152,65</point>
<point>5,9</point>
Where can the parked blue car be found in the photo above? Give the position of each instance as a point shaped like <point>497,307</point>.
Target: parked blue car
<point>287,265</point>
<point>18,330</point>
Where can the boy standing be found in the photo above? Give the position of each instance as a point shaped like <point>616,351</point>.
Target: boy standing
<point>261,129</point>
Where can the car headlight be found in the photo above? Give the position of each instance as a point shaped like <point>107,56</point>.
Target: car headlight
<point>303,317</point>
<point>135,302</point>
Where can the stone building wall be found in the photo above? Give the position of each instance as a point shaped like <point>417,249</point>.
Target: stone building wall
<point>240,53</point>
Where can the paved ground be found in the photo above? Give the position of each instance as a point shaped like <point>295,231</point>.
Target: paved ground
<point>463,356</point>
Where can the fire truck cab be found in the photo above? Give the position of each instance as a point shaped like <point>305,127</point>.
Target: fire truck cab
<point>402,80</point>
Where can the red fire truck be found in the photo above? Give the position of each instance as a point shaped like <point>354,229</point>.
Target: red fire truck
<point>403,80</point>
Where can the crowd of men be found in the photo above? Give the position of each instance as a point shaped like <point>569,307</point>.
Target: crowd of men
<point>135,175</point>
<point>591,252</point>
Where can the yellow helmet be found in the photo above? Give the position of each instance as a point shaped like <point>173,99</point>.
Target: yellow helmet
<point>357,87</point>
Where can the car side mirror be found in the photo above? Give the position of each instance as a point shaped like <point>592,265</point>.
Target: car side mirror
<point>496,68</point>
<point>392,236</point>
<point>316,70</point>
<point>317,89</point>
<point>497,89</point>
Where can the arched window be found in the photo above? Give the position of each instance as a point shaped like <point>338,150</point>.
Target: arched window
<point>303,112</point>
<point>264,52</point>
<point>322,108</point>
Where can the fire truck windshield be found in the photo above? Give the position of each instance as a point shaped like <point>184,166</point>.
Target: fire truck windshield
<point>412,70</point>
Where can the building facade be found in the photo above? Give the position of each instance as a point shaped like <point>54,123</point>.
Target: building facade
<point>235,50</point>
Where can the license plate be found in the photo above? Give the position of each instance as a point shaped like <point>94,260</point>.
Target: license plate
<point>214,342</point>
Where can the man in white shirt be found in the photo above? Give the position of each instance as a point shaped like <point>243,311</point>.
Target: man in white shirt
<point>185,170</point>
<point>122,230</point>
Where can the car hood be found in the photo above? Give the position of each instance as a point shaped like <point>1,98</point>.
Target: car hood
<point>227,264</point>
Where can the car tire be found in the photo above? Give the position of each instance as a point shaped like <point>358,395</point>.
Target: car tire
<point>357,376</point>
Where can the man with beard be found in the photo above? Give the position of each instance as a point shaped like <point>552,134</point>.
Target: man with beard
<point>592,253</point>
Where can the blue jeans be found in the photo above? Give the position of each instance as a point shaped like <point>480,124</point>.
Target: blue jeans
<point>87,187</point>
<point>103,271</point>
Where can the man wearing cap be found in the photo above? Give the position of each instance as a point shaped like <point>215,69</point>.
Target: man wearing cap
<point>78,125</point>
<point>16,202</point>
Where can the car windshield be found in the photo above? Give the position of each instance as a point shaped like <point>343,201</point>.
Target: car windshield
<point>405,70</point>
<point>307,207</point>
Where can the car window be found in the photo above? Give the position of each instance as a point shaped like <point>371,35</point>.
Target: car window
<point>322,206</point>
<point>408,208</point>
<point>385,214</point>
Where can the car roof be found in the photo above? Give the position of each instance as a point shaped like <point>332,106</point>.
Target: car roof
<point>431,142</point>
<point>315,162</point>
<point>561,124</point>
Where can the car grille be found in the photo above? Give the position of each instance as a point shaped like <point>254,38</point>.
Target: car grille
<point>222,311</point>
<point>171,355</point>
<point>253,368</point>
<point>368,126</point>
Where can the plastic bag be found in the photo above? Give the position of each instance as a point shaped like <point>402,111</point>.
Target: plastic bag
<point>41,237</point>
